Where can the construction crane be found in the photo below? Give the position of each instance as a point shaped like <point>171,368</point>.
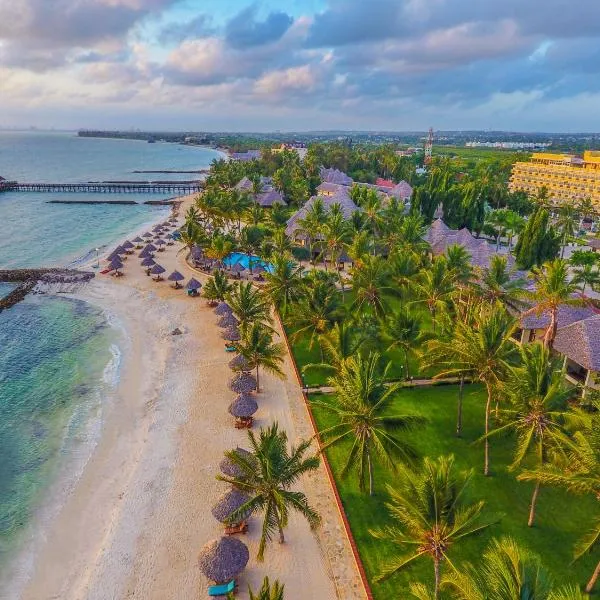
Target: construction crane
<point>429,147</point>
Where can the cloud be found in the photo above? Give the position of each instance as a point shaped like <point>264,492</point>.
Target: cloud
<point>198,27</point>
<point>245,31</point>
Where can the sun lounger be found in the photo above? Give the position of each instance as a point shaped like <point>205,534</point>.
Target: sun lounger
<point>221,590</point>
<point>105,272</point>
<point>239,528</point>
<point>230,348</point>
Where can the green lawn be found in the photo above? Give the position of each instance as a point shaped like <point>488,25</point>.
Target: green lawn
<point>561,518</point>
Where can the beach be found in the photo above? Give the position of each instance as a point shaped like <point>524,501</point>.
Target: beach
<point>134,522</point>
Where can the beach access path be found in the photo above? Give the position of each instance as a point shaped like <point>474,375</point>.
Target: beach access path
<point>134,523</point>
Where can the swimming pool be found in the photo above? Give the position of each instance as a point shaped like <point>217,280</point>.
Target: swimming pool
<point>238,258</point>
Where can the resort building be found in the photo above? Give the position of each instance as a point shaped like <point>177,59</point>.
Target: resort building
<point>567,178</point>
<point>335,176</point>
<point>332,189</point>
<point>268,195</point>
<point>246,156</point>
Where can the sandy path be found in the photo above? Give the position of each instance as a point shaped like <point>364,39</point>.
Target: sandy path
<point>140,513</point>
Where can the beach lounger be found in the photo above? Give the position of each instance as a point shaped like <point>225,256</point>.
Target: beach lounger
<point>105,271</point>
<point>221,590</point>
<point>230,348</point>
<point>239,528</point>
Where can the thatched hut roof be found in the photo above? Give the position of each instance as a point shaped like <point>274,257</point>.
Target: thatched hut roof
<point>227,321</point>
<point>231,334</point>
<point>224,559</point>
<point>175,276</point>
<point>243,407</point>
<point>243,383</point>
<point>193,284</point>
<point>240,363</point>
<point>229,468</point>
<point>233,500</point>
<point>157,270</point>
<point>223,309</point>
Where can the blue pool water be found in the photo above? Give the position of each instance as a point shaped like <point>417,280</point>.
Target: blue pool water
<point>238,258</point>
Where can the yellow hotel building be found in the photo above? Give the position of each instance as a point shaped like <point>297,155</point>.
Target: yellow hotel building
<point>568,178</point>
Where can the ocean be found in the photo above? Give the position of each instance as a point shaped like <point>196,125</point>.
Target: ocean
<point>59,357</point>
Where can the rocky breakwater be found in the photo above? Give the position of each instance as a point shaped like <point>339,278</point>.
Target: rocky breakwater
<point>41,281</point>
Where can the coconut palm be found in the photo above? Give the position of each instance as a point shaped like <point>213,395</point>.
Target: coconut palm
<point>267,476</point>
<point>403,329</point>
<point>482,347</point>
<point>336,234</point>
<point>429,515</point>
<point>569,592</point>
<point>497,284</point>
<point>435,287</point>
<point>586,275</point>
<point>567,224</point>
<point>459,263</point>
<point>371,283</point>
<point>579,474</point>
<point>360,407</point>
<point>507,571</point>
<point>257,347</point>
<point>268,591</point>
<point>220,246</point>
<point>217,287</point>
<point>552,288</point>
<point>283,284</point>
<point>312,224</point>
<point>250,241</point>
<point>537,411</point>
<point>249,304</point>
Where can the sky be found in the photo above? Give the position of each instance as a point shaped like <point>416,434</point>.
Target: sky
<point>298,65</point>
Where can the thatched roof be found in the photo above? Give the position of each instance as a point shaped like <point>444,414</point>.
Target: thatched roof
<point>580,341</point>
<point>148,262</point>
<point>227,321</point>
<point>224,559</point>
<point>243,406</point>
<point>233,500</point>
<point>157,270</point>
<point>175,276</point>
<point>240,363</point>
<point>243,383</point>
<point>231,334</point>
<point>193,284</point>
<point>229,468</point>
<point>223,309</point>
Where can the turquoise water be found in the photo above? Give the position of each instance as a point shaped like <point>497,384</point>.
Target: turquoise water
<point>54,351</point>
<point>237,258</point>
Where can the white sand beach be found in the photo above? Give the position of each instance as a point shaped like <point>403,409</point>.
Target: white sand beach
<point>135,521</point>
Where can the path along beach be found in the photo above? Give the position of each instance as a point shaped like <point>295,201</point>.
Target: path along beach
<point>136,519</point>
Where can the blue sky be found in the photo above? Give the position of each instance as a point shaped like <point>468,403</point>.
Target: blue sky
<point>528,65</point>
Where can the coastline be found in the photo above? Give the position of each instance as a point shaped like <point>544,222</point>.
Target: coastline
<point>135,520</point>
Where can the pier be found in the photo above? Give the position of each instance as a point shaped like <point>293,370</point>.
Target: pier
<point>105,187</point>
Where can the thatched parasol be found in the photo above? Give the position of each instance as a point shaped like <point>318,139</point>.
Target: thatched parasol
<point>175,276</point>
<point>160,242</point>
<point>232,334</point>
<point>148,262</point>
<point>193,284</point>
<point>243,383</point>
<point>237,268</point>
<point>240,363</point>
<point>243,407</point>
<point>258,268</point>
<point>157,270</point>
<point>150,248</point>
<point>233,500</point>
<point>147,234</point>
<point>197,252</point>
<point>223,309</point>
<point>229,468</point>
<point>128,245</point>
<point>224,559</point>
<point>227,321</point>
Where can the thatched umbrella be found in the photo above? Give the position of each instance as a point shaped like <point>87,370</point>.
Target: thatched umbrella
<point>233,500</point>
<point>223,309</point>
<point>176,276</point>
<point>147,235</point>
<point>113,256</point>
<point>229,468</point>
<point>197,253</point>
<point>193,284</point>
<point>243,407</point>
<point>227,321</point>
<point>128,245</point>
<point>160,242</point>
<point>237,268</point>
<point>157,270</point>
<point>138,240</point>
<point>232,334</point>
<point>258,268</point>
<point>148,262</point>
<point>243,383</point>
<point>240,363</point>
<point>150,247</point>
<point>224,559</point>
<point>115,265</point>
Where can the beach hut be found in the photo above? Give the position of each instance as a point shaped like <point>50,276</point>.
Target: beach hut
<point>230,468</point>
<point>223,309</point>
<point>176,276</point>
<point>243,383</point>
<point>157,270</point>
<point>230,502</point>
<point>243,409</point>
<point>240,363</point>
<point>232,334</point>
<point>222,561</point>
<point>193,287</point>
<point>228,321</point>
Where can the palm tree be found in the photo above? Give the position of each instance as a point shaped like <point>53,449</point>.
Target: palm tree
<point>435,287</point>
<point>284,284</point>
<point>552,288</point>
<point>359,247</point>
<point>249,304</point>
<point>336,234</point>
<point>312,223</point>
<point>579,474</point>
<point>360,406</point>
<point>268,591</point>
<point>249,242</point>
<point>459,263</point>
<point>537,411</point>
<point>267,476</point>
<point>371,283</point>
<point>498,285</point>
<point>586,275</point>
<point>567,223</point>
<point>220,247</point>
<point>514,224</point>
<point>569,592</point>
<point>507,571</point>
<point>257,347</point>
<point>217,287</point>
<point>430,515</point>
<point>483,348</point>
<point>404,329</point>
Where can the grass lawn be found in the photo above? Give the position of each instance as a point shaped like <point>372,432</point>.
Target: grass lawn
<point>561,518</point>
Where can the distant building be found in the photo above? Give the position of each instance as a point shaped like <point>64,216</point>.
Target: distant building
<point>568,178</point>
<point>246,156</point>
<point>334,176</point>
<point>332,189</point>
<point>267,197</point>
<point>510,145</point>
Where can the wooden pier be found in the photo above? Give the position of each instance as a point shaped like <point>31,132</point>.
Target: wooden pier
<point>172,187</point>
